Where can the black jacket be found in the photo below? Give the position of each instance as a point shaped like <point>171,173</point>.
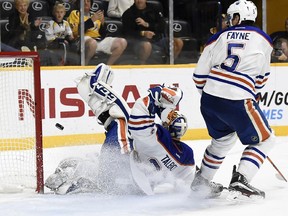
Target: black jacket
<point>155,19</point>
<point>22,36</point>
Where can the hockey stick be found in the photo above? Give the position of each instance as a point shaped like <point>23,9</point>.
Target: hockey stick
<point>139,177</point>
<point>276,169</point>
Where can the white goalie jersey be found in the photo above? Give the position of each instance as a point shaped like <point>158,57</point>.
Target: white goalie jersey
<point>155,146</point>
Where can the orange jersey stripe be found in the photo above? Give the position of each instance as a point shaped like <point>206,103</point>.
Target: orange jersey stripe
<point>146,101</point>
<point>123,135</point>
<point>140,122</point>
<point>235,78</point>
<point>261,82</point>
<point>258,121</point>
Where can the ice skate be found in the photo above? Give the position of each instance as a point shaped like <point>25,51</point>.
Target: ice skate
<point>207,188</point>
<point>239,183</point>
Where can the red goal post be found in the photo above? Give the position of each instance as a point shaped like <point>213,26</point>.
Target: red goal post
<point>21,153</point>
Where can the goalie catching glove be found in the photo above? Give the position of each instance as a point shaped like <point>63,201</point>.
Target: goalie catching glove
<point>166,96</point>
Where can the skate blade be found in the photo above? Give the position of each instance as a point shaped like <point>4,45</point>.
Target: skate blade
<point>237,196</point>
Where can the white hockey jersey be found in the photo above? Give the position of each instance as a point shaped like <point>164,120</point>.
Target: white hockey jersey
<point>155,145</point>
<point>56,30</point>
<point>235,63</point>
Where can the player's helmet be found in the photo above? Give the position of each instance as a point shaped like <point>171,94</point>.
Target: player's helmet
<point>178,127</point>
<point>246,9</point>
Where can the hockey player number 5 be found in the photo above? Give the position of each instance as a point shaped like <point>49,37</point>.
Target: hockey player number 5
<point>232,59</point>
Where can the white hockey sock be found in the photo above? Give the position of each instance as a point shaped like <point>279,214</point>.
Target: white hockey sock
<point>253,157</point>
<point>215,154</point>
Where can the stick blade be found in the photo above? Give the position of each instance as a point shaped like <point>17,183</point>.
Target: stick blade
<point>139,177</point>
<point>278,176</point>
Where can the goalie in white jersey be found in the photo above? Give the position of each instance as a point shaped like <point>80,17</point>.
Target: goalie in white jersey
<point>115,170</point>
<point>162,153</point>
<point>233,67</point>
<point>75,175</point>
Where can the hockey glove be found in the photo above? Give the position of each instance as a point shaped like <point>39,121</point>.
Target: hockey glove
<point>170,97</point>
<point>155,95</point>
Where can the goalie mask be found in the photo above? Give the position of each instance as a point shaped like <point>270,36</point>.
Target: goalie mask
<point>178,127</point>
<point>246,10</point>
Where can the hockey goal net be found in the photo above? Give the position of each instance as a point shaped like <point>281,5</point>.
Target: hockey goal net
<point>21,161</point>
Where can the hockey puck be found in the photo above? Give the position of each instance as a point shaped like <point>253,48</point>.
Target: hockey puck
<point>59,126</point>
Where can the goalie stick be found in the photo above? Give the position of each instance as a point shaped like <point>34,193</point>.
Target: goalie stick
<point>139,176</point>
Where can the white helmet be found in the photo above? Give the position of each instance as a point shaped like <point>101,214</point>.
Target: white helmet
<point>246,9</point>
<point>178,127</point>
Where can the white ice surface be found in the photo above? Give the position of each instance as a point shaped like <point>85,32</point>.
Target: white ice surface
<point>166,201</point>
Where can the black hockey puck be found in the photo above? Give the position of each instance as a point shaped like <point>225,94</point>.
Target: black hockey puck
<point>59,126</point>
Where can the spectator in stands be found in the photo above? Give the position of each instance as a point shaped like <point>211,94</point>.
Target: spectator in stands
<point>224,24</point>
<point>144,26</point>
<point>280,34</point>
<point>23,27</point>
<point>58,30</point>
<point>117,7</point>
<point>59,34</point>
<point>280,50</point>
<point>95,30</point>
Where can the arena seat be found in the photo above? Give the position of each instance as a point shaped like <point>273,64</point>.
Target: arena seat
<point>182,29</point>
<point>156,5</point>
<point>38,8</point>
<point>114,27</point>
<point>98,5</point>
<point>6,8</point>
<point>69,6</point>
<point>4,30</point>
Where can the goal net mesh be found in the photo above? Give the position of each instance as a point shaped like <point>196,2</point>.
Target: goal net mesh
<point>18,155</point>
